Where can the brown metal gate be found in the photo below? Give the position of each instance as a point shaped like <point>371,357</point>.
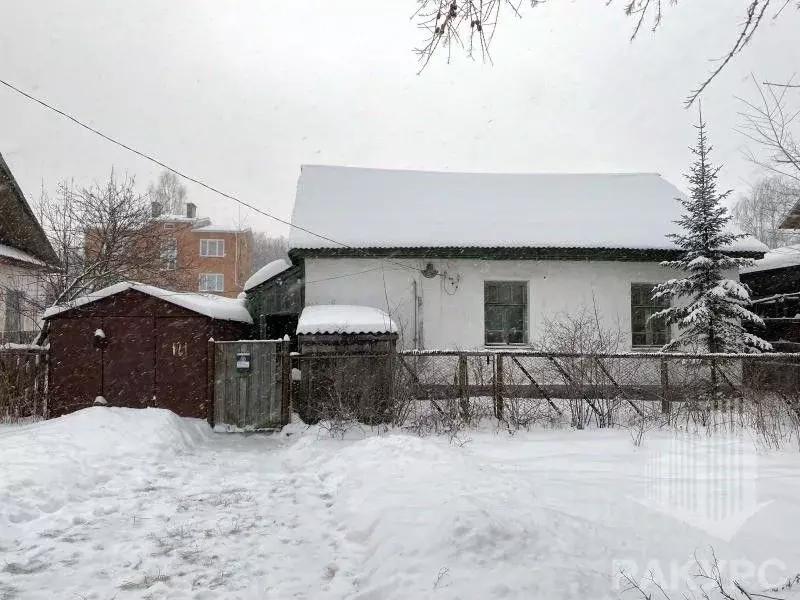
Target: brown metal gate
<point>251,384</point>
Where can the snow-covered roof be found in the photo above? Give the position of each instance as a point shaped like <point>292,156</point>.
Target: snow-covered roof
<point>221,229</point>
<point>19,255</point>
<point>344,318</point>
<point>787,256</point>
<point>268,271</point>
<point>216,307</point>
<point>378,208</point>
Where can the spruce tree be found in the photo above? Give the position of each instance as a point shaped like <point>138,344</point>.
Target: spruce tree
<point>709,308</point>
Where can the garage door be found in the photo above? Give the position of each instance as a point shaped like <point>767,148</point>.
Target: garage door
<point>129,361</point>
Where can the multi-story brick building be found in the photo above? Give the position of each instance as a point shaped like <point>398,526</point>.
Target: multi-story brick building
<point>195,255</point>
<point>203,256</point>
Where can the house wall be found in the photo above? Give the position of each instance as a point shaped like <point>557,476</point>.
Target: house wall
<point>17,277</point>
<point>452,311</point>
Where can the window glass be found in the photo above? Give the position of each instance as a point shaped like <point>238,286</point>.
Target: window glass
<point>644,330</point>
<point>505,312</point>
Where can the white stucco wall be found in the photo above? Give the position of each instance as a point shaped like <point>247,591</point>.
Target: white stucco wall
<point>452,314</point>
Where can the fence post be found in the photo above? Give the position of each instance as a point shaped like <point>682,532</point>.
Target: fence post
<point>498,386</point>
<point>211,373</point>
<point>463,391</point>
<point>665,395</point>
<point>286,383</point>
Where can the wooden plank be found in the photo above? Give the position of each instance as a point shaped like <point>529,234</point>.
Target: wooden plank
<point>568,378</point>
<point>536,385</point>
<point>616,386</point>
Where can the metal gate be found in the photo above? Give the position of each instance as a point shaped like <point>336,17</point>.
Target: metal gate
<point>251,384</point>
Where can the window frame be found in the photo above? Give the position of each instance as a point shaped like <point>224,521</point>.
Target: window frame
<point>169,253</point>
<point>525,304</point>
<point>218,277</point>
<point>650,308</point>
<point>14,310</point>
<point>219,244</point>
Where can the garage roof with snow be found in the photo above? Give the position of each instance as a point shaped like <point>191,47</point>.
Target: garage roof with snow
<point>379,208</point>
<point>209,305</point>
<point>344,318</point>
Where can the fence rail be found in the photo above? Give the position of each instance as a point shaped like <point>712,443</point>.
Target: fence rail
<point>23,382</point>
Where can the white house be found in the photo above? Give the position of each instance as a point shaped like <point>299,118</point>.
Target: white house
<point>24,252</point>
<point>468,260</point>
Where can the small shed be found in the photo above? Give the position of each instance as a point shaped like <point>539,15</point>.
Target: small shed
<point>274,298</point>
<point>137,345</point>
<point>774,282</point>
<point>346,363</point>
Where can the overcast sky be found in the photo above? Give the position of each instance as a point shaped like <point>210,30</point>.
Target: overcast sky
<point>240,94</point>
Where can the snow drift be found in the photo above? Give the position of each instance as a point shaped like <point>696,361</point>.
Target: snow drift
<point>50,463</point>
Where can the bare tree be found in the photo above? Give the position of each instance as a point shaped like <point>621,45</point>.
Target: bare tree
<point>760,211</point>
<point>771,121</point>
<point>169,192</point>
<point>266,249</point>
<point>472,24</point>
<point>102,234</point>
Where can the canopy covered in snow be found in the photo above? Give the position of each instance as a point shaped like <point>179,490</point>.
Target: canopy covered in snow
<point>343,318</point>
<point>787,256</point>
<point>268,271</point>
<point>216,307</point>
<point>377,208</point>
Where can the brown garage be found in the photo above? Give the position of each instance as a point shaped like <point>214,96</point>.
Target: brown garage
<point>137,345</point>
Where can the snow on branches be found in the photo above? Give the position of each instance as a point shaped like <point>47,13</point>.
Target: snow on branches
<point>711,309</point>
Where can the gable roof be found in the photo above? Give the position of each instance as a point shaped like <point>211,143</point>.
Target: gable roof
<point>19,227</point>
<point>379,208</point>
<point>209,305</point>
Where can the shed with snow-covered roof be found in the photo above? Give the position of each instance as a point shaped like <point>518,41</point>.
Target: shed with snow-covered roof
<point>275,298</point>
<point>137,345</point>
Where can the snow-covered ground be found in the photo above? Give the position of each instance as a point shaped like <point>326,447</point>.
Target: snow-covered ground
<point>119,503</point>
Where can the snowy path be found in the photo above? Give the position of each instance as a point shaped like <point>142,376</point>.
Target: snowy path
<point>100,509</point>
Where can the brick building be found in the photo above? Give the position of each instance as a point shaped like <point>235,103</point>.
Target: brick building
<point>197,255</point>
<point>207,257</point>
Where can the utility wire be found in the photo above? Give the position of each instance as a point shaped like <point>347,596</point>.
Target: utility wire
<point>180,173</point>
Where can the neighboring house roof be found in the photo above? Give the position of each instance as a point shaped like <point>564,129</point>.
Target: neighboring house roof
<point>267,272</point>
<point>19,228</point>
<point>378,208</point>
<point>19,256</point>
<point>216,307</point>
<point>779,258</point>
<point>344,318</point>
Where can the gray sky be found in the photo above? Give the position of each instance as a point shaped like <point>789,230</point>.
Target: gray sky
<point>241,96</point>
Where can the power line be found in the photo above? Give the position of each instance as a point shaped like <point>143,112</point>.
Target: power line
<point>180,173</point>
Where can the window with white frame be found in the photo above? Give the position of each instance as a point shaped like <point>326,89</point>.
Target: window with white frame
<point>646,331</point>
<point>505,306</point>
<point>169,253</point>
<point>212,247</point>
<point>212,282</point>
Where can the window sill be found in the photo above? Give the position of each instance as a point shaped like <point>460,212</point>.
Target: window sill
<point>646,349</point>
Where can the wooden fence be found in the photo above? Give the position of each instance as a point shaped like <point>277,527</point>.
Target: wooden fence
<point>251,384</point>
<point>629,376</point>
<point>23,382</point>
